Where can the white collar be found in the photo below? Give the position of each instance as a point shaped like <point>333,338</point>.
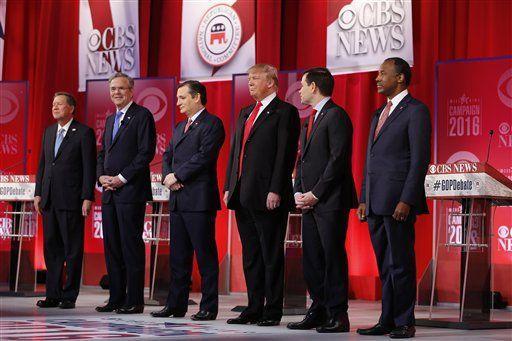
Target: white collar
<point>66,127</point>
<point>318,107</point>
<point>125,109</point>
<point>266,101</point>
<point>397,99</point>
<point>194,117</point>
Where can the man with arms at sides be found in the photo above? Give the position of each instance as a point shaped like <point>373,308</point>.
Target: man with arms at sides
<point>190,172</point>
<point>259,188</point>
<point>63,195</point>
<point>128,146</point>
<point>324,190</point>
<point>392,194</point>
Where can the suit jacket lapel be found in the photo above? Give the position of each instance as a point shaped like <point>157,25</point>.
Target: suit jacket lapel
<point>267,111</point>
<point>69,135</point>
<point>124,123</point>
<point>396,112</point>
<point>52,139</point>
<point>193,126</point>
<point>319,118</point>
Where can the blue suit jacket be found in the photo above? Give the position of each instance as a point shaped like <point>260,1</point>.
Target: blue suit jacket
<point>129,154</point>
<point>192,157</point>
<point>397,161</point>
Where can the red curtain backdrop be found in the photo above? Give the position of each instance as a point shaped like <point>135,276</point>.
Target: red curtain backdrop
<point>41,46</point>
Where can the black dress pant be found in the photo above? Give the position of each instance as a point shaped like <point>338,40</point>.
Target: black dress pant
<point>63,233</point>
<point>124,252</point>
<point>262,235</point>
<point>325,260</point>
<point>193,231</point>
<point>393,243</point>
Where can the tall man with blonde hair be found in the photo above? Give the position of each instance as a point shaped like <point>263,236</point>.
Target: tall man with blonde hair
<point>259,188</point>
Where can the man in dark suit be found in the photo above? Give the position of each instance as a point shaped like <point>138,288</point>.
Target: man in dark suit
<point>259,188</point>
<point>324,190</point>
<point>128,146</point>
<point>392,194</point>
<point>63,195</point>
<point>190,172</point>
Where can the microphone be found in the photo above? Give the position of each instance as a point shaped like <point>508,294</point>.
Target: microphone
<point>491,132</point>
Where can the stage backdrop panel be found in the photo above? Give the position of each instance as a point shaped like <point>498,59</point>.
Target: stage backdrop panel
<point>473,98</point>
<point>108,40</point>
<point>156,94</point>
<point>217,38</point>
<point>362,33</point>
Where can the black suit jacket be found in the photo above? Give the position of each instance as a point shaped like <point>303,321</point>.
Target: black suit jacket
<point>67,179</point>
<point>192,157</point>
<point>129,154</point>
<point>269,159</point>
<point>397,161</point>
<point>325,160</point>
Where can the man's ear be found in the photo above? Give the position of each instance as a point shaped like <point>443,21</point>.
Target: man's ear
<point>401,78</point>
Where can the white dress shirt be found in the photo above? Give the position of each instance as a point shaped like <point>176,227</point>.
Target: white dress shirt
<point>65,127</point>
<point>123,110</point>
<point>397,99</point>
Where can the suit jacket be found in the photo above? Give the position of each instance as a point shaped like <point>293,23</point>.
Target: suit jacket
<point>65,180</point>
<point>192,157</point>
<point>269,156</point>
<point>397,161</point>
<point>325,160</point>
<point>129,154</point>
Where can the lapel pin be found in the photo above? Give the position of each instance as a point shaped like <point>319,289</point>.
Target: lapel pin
<point>74,129</point>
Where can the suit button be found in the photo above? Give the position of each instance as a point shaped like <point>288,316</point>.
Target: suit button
<point>53,163</point>
<point>372,155</point>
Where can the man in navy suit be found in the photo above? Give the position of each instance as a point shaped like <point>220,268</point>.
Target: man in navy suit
<point>393,194</point>
<point>190,172</point>
<point>128,146</point>
<point>63,195</point>
<point>325,191</point>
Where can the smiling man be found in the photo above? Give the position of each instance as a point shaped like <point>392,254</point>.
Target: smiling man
<point>189,169</point>
<point>258,187</point>
<point>63,195</point>
<point>393,193</point>
<point>128,146</point>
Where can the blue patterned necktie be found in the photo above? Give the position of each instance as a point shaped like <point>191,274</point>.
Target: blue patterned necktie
<point>116,124</point>
<point>58,142</point>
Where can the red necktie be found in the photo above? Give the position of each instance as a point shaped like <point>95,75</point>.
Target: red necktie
<point>189,123</point>
<point>247,130</point>
<point>382,119</point>
<point>311,121</point>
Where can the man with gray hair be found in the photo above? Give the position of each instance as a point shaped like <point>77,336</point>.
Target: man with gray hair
<point>63,195</point>
<point>128,146</point>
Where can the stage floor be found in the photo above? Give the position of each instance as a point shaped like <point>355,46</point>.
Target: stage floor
<point>20,319</point>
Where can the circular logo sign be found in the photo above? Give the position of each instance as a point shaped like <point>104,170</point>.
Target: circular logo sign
<point>504,128</point>
<point>505,88</point>
<point>155,100</point>
<point>503,231</point>
<point>9,106</point>
<point>219,35</point>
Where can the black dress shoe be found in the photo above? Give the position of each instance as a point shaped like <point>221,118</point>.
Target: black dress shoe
<point>134,309</point>
<point>402,332</point>
<point>243,319</point>
<point>48,303</point>
<point>107,308</point>
<point>377,329</point>
<point>167,312</point>
<point>338,324</point>
<point>310,321</point>
<point>67,304</point>
<point>267,322</point>
<point>204,315</point>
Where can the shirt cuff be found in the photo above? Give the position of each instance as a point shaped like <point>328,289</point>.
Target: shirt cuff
<point>297,193</point>
<point>122,178</point>
<point>314,196</point>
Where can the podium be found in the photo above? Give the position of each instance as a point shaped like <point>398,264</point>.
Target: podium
<point>466,194</point>
<point>18,229</point>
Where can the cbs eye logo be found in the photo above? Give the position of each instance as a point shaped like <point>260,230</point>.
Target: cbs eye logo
<point>155,100</point>
<point>505,88</point>
<point>9,106</point>
<point>505,238</point>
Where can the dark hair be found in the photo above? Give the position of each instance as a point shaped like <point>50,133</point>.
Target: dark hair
<point>194,88</point>
<point>401,67</point>
<point>69,98</point>
<point>322,78</point>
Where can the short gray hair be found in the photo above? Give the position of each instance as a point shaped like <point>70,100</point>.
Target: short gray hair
<point>122,75</point>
